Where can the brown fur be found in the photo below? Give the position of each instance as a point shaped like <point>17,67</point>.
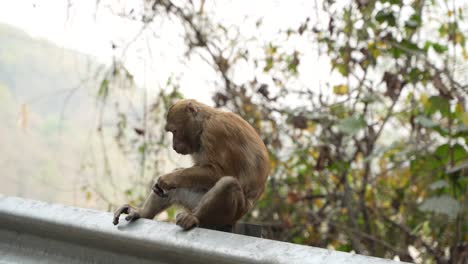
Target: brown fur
<point>229,172</point>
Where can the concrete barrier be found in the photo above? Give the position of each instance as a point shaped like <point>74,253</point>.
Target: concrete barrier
<point>38,232</point>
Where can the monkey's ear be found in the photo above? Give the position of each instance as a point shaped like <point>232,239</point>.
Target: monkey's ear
<point>190,108</point>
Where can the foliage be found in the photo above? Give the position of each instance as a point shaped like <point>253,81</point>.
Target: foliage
<point>375,160</point>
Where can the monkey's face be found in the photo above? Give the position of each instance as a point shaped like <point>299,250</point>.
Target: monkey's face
<point>180,141</point>
<point>185,131</point>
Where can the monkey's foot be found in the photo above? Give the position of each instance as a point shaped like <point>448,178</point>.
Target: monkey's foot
<point>186,220</point>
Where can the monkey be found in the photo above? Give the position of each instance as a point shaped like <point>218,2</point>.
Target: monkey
<point>229,172</point>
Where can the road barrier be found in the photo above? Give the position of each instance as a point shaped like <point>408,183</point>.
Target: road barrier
<point>38,232</point>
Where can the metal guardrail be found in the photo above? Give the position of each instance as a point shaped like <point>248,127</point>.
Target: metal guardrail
<point>38,232</point>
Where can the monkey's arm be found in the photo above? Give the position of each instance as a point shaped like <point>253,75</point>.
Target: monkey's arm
<point>194,177</point>
<point>153,205</point>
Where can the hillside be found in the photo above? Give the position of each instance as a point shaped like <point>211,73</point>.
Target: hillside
<point>43,133</point>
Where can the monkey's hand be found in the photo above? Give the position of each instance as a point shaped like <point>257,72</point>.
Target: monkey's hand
<point>165,183</point>
<point>126,209</point>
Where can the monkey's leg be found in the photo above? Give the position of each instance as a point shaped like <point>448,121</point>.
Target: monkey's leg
<point>152,206</point>
<point>222,205</point>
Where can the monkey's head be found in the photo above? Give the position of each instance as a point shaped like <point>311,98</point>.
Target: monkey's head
<point>184,122</point>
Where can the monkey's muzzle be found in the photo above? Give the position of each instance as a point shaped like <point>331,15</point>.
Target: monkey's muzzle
<point>159,191</point>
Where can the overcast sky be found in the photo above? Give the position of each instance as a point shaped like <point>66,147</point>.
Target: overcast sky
<point>80,26</point>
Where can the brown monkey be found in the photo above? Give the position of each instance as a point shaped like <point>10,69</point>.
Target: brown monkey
<point>229,172</point>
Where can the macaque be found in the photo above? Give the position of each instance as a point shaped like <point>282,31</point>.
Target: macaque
<point>230,169</point>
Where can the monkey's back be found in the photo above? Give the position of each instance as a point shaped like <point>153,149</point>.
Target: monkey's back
<point>237,150</point>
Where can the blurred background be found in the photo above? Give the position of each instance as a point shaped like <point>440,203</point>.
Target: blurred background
<point>361,103</point>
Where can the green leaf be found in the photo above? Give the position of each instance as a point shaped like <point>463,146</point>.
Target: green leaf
<point>438,103</point>
<point>380,16</point>
<point>142,148</point>
<point>298,240</point>
<point>415,75</point>
<point>345,248</point>
<point>425,164</point>
<point>103,91</point>
<point>426,228</point>
<point>351,125</point>
<point>171,212</point>
<point>88,195</point>
<point>338,110</point>
<point>269,64</point>
<point>443,152</point>
<point>439,48</point>
<point>443,30</point>
<point>410,45</point>
<point>393,2</point>
<point>425,122</point>
<point>342,69</point>
<point>413,22</point>
<point>386,16</point>
<point>293,62</point>
<point>444,204</point>
<point>271,49</point>
<point>459,153</point>
<point>396,52</point>
<point>341,89</point>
